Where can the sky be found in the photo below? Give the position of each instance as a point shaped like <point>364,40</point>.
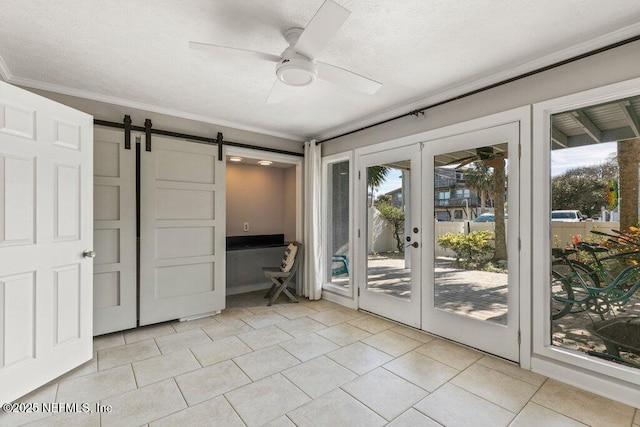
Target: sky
<point>586,155</point>
<point>392,182</point>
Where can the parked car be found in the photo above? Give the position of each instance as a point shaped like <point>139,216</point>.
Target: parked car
<point>567,216</point>
<point>488,217</point>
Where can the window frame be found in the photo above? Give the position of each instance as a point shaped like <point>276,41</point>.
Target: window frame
<point>327,285</point>
<point>547,359</point>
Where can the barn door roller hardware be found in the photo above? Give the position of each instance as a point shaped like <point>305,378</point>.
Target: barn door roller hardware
<point>191,138</point>
<point>219,142</point>
<point>127,132</point>
<point>147,130</point>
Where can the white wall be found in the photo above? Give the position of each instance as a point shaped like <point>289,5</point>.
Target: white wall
<point>116,113</point>
<point>255,194</point>
<point>622,63</point>
<point>290,204</point>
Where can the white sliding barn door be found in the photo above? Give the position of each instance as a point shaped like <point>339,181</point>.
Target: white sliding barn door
<point>46,155</point>
<point>114,235</point>
<point>182,234</point>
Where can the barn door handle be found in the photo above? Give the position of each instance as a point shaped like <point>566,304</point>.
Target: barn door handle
<point>89,254</point>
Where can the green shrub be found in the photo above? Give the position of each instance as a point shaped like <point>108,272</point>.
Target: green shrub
<point>472,249</point>
<point>395,216</point>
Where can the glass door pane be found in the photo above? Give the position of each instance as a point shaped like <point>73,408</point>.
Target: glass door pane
<point>338,221</point>
<point>390,243</point>
<point>470,214</point>
<point>388,264</point>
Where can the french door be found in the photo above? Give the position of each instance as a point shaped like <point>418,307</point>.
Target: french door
<point>416,204</point>
<point>472,297</point>
<point>389,184</point>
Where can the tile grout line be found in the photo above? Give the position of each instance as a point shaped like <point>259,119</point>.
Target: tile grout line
<point>224,396</point>
<point>372,409</point>
<point>551,409</point>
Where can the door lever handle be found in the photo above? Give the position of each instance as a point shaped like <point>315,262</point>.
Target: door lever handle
<point>414,244</point>
<point>88,254</point>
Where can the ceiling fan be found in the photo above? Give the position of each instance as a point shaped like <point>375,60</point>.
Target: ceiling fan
<point>296,65</point>
<point>487,155</point>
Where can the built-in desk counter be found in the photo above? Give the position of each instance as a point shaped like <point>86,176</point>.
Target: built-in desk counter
<point>246,255</point>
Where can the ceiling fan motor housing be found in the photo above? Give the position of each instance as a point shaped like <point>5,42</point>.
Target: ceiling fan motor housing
<point>296,71</point>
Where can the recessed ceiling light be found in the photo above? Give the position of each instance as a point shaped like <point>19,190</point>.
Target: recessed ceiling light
<point>265,162</point>
<point>235,159</point>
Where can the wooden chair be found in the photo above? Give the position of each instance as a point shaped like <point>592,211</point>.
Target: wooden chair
<point>281,278</point>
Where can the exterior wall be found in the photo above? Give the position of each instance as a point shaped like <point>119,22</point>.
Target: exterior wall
<point>380,237</point>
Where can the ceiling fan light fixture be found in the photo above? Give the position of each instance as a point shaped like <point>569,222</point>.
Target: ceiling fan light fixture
<point>296,72</point>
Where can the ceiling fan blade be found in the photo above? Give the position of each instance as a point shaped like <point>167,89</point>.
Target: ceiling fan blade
<point>346,78</point>
<point>465,162</point>
<point>206,47</point>
<point>277,93</point>
<point>325,23</point>
<point>462,161</point>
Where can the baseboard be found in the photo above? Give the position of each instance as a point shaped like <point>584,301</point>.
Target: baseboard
<point>243,289</point>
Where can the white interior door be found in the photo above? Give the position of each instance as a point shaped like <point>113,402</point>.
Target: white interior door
<point>114,235</point>
<point>182,234</point>
<point>391,254</point>
<point>46,155</point>
<point>463,301</point>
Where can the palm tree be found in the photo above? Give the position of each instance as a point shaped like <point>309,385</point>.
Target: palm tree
<point>499,181</point>
<point>375,177</point>
<point>478,177</point>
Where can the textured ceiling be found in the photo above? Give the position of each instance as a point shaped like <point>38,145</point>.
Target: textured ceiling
<point>136,52</point>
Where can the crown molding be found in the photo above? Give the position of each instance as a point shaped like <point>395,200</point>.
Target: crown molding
<point>5,74</point>
<point>34,84</point>
<point>493,78</point>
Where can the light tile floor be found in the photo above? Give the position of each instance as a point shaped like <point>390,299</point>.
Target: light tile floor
<point>311,364</point>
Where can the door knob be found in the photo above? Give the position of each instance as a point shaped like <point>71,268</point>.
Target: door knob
<point>414,244</point>
<point>89,254</point>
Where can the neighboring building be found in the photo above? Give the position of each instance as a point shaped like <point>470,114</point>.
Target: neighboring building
<point>453,201</point>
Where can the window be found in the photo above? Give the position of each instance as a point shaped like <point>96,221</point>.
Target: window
<point>337,234</point>
<point>560,143</point>
<point>595,155</point>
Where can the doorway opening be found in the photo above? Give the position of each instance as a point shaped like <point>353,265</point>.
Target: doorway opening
<point>263,215</point>
<point>429,257</point>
